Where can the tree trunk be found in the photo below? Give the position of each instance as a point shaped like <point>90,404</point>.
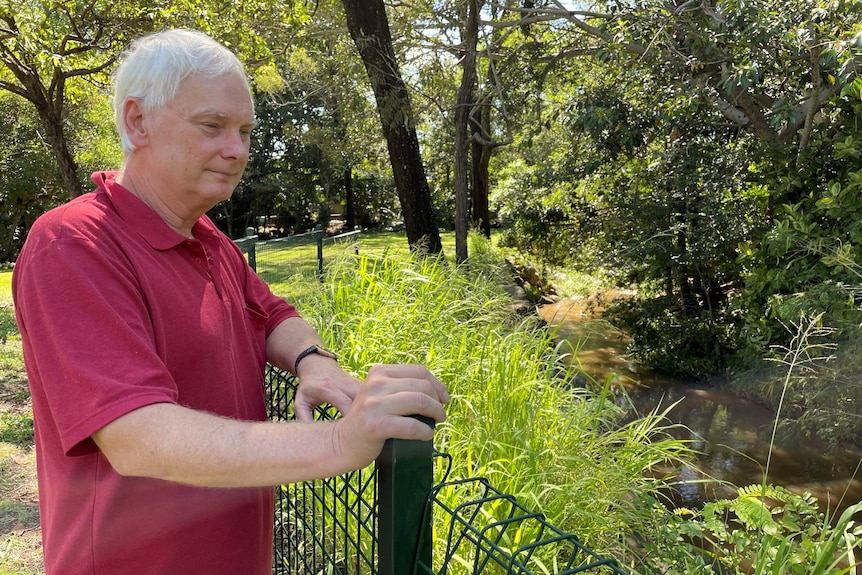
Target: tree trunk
<point>349,200</point>
<point>463,104</point>
<point>52,122</point>
<point>481,216</point>
<point>369,29</point>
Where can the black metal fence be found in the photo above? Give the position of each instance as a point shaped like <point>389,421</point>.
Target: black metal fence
<point>379,521</point>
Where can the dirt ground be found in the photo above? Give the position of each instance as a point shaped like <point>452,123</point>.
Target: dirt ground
<point>20,538</point>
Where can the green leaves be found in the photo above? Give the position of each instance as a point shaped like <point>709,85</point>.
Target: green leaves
<point>766,529</point>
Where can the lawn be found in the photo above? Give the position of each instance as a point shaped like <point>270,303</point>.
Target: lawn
<point>20,548</point>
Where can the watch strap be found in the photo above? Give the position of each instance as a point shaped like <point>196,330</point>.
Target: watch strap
<point>313,349</point>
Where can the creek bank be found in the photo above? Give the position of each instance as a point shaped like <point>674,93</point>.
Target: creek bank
<point>732,432</point>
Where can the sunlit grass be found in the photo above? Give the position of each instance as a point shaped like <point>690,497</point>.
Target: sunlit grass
<point>5,282</point>
<point>20,547</point>
<point>20,551</point>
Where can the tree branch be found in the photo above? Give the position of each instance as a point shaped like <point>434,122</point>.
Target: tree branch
<point>814,101</point>
<point>15,89</point>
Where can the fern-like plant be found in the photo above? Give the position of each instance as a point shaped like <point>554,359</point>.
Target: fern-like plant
<point>769,530</point>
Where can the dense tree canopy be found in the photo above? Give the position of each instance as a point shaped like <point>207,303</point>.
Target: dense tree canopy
<point>706,151</point>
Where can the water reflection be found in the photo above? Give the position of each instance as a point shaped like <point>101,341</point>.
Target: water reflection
<point>732,433</point>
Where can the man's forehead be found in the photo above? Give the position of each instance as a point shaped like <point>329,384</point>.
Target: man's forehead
<point>225,97</point>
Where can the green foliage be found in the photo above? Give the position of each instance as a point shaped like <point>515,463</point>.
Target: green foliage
<point>674,340</point>
<point>30,183</point>
<point>16,428</point>
<point>93,134</point>
<point>810,262</point>
<point>544,215</point>
<point>765,529</point>
<point>317,148</point>
<point>690,133</point>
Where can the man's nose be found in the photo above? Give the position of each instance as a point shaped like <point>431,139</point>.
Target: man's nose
<point>236,146</point>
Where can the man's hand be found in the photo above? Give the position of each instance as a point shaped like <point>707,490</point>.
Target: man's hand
<point>383,409</point>
<point>323,381</point>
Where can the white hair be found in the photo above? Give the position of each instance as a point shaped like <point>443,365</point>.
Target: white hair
<point>153,67</point>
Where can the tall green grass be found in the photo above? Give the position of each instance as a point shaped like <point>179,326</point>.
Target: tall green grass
<point>513,418</point>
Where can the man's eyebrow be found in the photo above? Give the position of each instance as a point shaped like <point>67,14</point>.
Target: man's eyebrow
<point>221,116</point>
<point>211,112</point>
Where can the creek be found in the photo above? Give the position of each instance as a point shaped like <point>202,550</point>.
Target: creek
<point>732,433</point>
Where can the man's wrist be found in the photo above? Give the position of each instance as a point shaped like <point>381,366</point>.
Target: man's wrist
<point>314,349</point>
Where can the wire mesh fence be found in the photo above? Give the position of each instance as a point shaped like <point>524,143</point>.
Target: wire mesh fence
<point>390,520</point>
<point>327,526</point>
<point>484,531</point>
<point>300,254</point>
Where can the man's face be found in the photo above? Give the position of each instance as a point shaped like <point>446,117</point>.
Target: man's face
<point>199,142</point>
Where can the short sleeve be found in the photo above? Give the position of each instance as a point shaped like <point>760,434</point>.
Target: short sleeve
<point>88,340</point>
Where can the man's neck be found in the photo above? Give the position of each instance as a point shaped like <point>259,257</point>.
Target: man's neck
<point>141,188</point>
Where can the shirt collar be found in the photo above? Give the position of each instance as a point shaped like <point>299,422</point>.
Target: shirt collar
<point>142,218</point>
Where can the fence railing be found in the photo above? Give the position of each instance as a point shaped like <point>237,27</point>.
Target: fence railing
<point>303,252</point>
<point>379,521</point>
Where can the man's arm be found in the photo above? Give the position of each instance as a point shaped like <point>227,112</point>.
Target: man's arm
<point>175,443</point>
<point>288,340</point>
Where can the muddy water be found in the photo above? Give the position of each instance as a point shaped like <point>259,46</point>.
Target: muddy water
<point>732,433</point>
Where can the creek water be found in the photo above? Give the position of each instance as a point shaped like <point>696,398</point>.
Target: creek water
<point>733,434</point>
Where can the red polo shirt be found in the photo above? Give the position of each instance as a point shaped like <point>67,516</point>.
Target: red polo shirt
<point>118,311</point>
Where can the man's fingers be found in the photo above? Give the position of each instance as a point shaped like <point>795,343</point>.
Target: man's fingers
<point>302,412</point>
<point>407,404</point>
<point>407,377</point>
<point>412,428</point>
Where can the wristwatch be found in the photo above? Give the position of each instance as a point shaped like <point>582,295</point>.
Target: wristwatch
<point>313,349</point>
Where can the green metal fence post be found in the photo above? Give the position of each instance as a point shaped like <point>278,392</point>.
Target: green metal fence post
<point>318,234</point>
<point>252,250</point>
<point>404,476</point>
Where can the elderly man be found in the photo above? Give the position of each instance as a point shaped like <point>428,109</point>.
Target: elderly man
<point>146,336</point>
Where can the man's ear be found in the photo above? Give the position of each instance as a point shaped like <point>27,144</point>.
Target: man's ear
<point>133,122</point>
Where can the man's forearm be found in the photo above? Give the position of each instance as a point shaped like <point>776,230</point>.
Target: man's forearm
<point>174,443</point>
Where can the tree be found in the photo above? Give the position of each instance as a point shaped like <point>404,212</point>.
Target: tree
<point>463,105</point>
<point>29,176</point>
<point>47,49</point>
<point>46,45</point>
<point>316,145</point>
<point>369,28</point>
<point>767,69</point>
<point>700,121</point>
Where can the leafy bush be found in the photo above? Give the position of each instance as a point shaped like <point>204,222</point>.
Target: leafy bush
<point>675,340</point>
<point>817,246</point>
<point>765,529</point>
<point>810,260</point>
